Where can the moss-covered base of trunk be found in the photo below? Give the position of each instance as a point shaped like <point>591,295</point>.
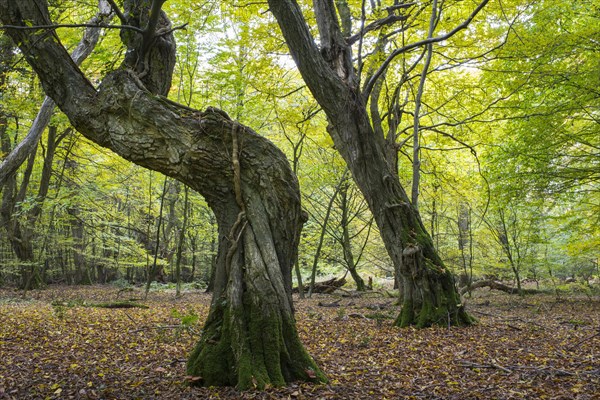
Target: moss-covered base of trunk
<point>248,348</point>
<point>430,294</point>
<point>444,310</point>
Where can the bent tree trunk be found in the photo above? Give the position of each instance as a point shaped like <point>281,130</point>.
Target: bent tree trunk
<point>250,336</point>
<point>430,295</point>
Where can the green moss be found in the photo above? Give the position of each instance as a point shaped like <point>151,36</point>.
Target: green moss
<point>250,348</point>
<point>440,304</point>
<point>426,315</point>
<point>212,360</point>
<point>406,316</point>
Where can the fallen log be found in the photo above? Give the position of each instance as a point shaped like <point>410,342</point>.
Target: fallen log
<point>492,284</point>
<point>118,304</point>
<point>110,304</point>
<point>329,286</point>
<point>379,306</point>
<point>334,304</point>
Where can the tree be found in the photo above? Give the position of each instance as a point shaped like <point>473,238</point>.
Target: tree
<point>351,207</point>
<point>550,130</point>
<point>249,338</point>
<point>546,133</point>
<point>430,295</point>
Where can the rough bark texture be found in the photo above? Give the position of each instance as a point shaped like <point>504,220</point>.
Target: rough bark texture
<point>430,295</point>
<point>152,54</point>
<point>250,336</point>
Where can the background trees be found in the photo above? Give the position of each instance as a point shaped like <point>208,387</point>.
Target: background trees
<point>518,88</point>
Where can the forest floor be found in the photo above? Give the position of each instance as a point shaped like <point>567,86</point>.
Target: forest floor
<point>538,347</point>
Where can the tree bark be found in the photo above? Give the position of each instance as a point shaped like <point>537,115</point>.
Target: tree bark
<point>250,337</point>
<point>430,295</point>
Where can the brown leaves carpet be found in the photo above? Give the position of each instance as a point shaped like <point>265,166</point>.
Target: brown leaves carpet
<point>536,347</point>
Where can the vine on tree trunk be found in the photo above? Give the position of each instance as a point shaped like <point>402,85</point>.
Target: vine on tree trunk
<point>240,224</point>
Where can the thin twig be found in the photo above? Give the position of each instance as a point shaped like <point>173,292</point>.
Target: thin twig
<point>371,83</point>
<point>583,341</point>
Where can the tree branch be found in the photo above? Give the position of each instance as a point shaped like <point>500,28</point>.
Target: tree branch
<point>52,27</point>
<point>85,47</point>
<point>404,49</point>
<point>148,37</point>
<point>389,20</point>
<point>117,11</point>
<point>321,80</point>
<point>416,177</point>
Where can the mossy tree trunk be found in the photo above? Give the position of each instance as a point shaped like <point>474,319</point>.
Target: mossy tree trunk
<point>250,337</point>
<point>430,296</point>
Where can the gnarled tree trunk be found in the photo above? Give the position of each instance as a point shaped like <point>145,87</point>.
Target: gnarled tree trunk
<point>250,336</point>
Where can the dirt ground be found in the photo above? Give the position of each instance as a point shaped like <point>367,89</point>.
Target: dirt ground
<point>53,345</point>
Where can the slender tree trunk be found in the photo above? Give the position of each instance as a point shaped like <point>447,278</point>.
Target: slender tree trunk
<point>346,242</point>
<point>180,242</point>
<point>465,243</point>
<point>501,233</point>
<point>170,224</point>
<point>297,152</point>
<point>78,248</point>
<point>148,241</point>
<point>193,250</point>
<point>430,295</point>
<point>211,271</point>
<point>153,272</point>
<point>317,255</point>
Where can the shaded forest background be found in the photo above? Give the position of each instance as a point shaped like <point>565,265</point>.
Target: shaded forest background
<point>508,150</point>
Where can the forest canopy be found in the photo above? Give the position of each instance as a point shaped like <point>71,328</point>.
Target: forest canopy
<point>508,148</point>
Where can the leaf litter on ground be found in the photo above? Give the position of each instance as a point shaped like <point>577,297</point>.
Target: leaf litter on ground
<point>53,346</point>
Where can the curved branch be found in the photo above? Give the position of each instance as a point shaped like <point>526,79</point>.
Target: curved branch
<point>389,20</point>
<point>54,26</point>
